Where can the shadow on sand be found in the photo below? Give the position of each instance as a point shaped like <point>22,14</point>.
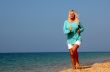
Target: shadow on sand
<point>84,67</point>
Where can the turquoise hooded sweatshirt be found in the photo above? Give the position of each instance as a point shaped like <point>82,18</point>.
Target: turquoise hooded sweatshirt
<point>72,36</point>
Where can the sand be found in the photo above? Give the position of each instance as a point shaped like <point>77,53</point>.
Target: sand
<point>96,67</point>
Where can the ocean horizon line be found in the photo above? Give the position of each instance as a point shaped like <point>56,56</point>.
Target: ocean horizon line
<point>61,52</point>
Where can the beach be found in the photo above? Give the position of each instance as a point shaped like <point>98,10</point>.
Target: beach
<point>96,67</point>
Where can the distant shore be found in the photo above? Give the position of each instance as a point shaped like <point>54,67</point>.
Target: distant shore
<point>96,67</point>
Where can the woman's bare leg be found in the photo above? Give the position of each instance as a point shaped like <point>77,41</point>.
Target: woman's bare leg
<point>74,56</point>
<point>77,60</point>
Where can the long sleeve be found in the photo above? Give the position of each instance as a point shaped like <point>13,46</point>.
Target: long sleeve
<point>81,27</point>
<point>65,29</point>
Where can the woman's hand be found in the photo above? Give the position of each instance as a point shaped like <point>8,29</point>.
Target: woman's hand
<point>70,28</point>
<point>78,31</point>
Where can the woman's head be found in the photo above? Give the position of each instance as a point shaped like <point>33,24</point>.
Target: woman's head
<point>72,14</point>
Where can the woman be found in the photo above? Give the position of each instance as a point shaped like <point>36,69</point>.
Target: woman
<point>72,28</point>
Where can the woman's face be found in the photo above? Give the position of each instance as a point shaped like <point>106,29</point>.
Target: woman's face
<point>71,15</point>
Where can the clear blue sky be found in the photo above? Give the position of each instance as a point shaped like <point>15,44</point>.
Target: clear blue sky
<point>37,25</point>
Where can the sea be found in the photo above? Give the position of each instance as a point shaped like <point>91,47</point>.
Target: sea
<point>46,61</point>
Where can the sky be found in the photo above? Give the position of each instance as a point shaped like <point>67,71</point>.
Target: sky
<point>37,25</point>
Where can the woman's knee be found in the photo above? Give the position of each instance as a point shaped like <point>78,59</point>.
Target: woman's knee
<point>71,52</point>
<point>75,47</point>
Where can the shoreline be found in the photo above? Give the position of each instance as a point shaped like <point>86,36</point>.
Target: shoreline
<point>103,66</point>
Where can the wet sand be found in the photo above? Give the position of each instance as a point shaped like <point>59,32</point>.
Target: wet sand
<point>96,67</point>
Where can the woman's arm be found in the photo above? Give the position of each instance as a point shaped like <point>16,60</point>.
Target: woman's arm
<point>81,27</point>
<point>65,29</point>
